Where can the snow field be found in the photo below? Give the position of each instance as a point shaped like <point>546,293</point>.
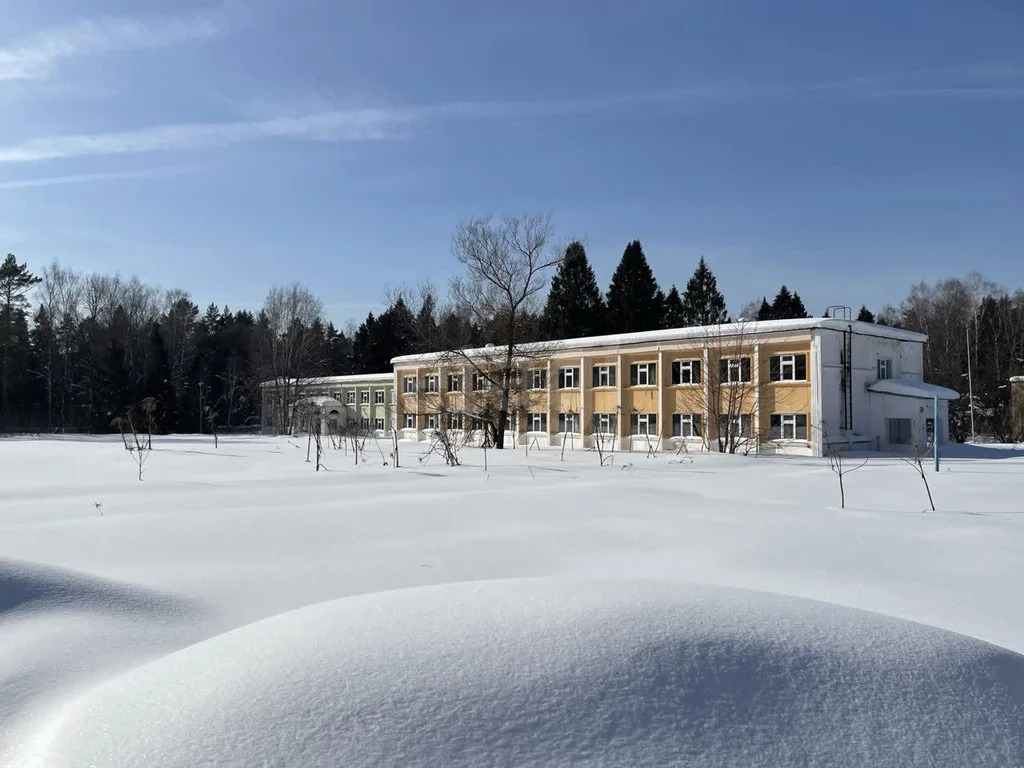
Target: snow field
<point>545,612</point>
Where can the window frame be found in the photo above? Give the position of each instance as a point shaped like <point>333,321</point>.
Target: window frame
<point>737,363</point>
<point>538,378</point>
<point>610,426</point>
<point>779,364</point>
<point>787,427</point>
<point>364,423</point>
<point>607,372</point>
<point>690,420</point>
<point>378,420</point>
<point>567,372</point>
<point>649,422</point>
<point>884,363</point>
<point>364,397</point>
<point>564,419</point>
<point>650,370</point>
<point>432,420</point>
<point>455,420</point>
<point>532,420</point>
<point>453,382</point>
<point>407,418</point>
<point>410,385</point>
<point>378,397</point>
<point>432,383</point>
<point>479,382</point>
<point>692,366</point>
<point>747,418</point>
<point>350,397</point>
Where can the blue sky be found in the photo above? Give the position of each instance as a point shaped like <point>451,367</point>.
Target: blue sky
<point>848,149</point>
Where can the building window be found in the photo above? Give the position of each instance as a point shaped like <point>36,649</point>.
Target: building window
<point>454,382</point>
<point>364,423</point>
<point>644,424</point>
<point>737,425</point>
<point>454,421</point>
<point>409,420</point>
<point>604,375</point>
<point>430,383</point>
<point>685,425</point>
<point>734,370</point>
<point>433,420</point>
<point>643,374</point>
<point>270,421</point>
<point>538,378</point>
<point>604,423</point>
<point>378,396</point>
<point>350,398</point>
<point>479,382</point>
<point>477,424</point>
<point>364,397</point>
<point>900,432</point>
<point>537,422</point>
<point>568,378</point>
<point>789,426</point>
<point>885,369</point>
<point>378,424</point>
<point>408,386</point>
<point>787,368</point>
<point>569,422</point>
<point>686,372</point>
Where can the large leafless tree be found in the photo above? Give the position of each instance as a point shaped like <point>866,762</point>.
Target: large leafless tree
<point>287,349</point>
<point>507,264</point>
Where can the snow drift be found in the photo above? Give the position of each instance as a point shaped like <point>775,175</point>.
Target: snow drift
<point>557,672</point>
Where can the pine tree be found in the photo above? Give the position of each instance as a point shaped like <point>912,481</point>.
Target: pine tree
<point>674,316</point>
<point>574,307</point>
<point>865,315</point>
<point>634,303</point>
<point>15,281</point>
<point>797,309</point>
<point>703,304</point>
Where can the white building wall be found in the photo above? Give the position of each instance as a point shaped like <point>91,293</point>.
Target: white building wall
<point>871,410</point>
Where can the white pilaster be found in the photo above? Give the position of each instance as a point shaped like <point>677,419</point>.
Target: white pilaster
<point>620,428</point>
<point>756,375</point>
<point>661,398</point>
<point>705,384</point>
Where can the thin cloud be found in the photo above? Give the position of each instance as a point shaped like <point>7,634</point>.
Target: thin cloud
<point>83,178</point>
<point>350,125</point>
<point>35,57</point>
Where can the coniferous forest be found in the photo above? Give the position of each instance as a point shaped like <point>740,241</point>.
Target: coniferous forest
<point>77,350</point>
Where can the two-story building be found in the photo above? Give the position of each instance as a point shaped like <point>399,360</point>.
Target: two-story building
<point>791,386</point>
<point>362,402</point>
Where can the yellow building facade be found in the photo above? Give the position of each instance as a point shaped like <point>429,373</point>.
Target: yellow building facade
<point>742,387</point>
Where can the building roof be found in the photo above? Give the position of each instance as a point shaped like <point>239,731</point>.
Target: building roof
<point>911,388</point>
<point>328,381</point>
<point>1017,379</point>
<point>748,328</point>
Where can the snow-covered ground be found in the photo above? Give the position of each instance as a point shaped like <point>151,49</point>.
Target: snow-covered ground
<point>238,609</point>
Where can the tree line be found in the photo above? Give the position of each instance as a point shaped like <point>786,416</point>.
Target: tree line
<point>77,350</point>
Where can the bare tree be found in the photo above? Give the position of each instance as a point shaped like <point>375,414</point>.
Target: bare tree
<point>838,463</point>
<point>506,268</point>
<point>148,407</point>
<point>916,462</point>
<point>287,349</point>
<point>60,293</point>
<point>137,447</point>
<point>727,390</point>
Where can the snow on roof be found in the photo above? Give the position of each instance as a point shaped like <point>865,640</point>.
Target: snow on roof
<point>352,378</point>
<point>556,672</point>
<point>319,401</point>
<point>739,328</point>
<point>911,388</point>
<point>1016,379</point>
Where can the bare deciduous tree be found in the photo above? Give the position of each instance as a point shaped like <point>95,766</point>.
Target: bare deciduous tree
<point>287,350</point>
<point>506,268</point>
<point>916,462</point>
<point>838,463</point>
<point>727,390</point>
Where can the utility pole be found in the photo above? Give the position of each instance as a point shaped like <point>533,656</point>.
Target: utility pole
<point>970,382</point>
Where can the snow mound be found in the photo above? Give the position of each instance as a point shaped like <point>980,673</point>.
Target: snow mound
<point>558,672</point>
<point>28,586</point>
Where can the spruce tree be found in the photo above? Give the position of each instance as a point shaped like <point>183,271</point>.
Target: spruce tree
<point>574,306</point>
<point>782,306</point>
<point>865,315</point>
<point>765,312</point>
<point>15,281</point>
<point>674,316</point>
<point>797,309</point>
<point>634,303</point>
<point>703,303</point>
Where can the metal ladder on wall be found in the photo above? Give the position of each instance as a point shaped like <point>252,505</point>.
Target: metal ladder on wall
<point>841,312</point>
